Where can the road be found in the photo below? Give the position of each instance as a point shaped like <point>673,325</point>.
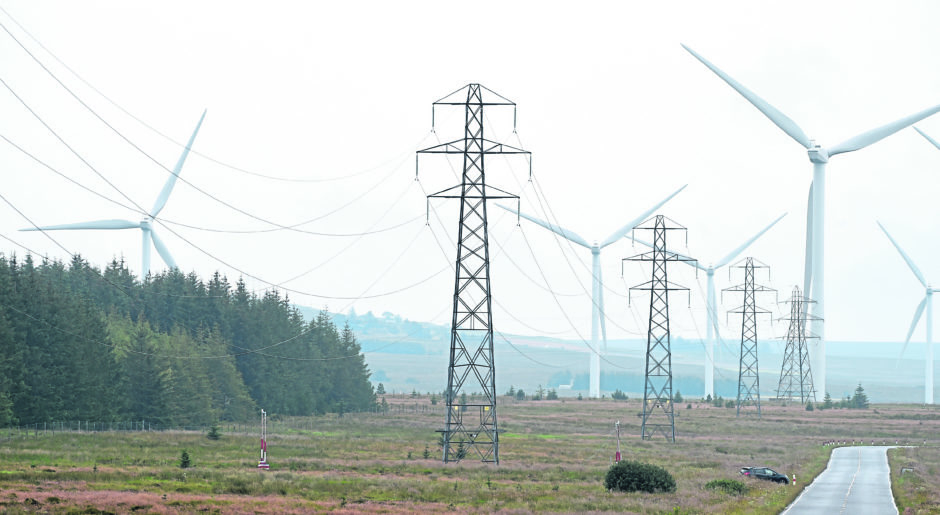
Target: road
<point>856,482</point>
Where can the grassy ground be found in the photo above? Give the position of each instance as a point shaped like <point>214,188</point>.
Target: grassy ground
<point>916,488</point>
<point>553,456</point>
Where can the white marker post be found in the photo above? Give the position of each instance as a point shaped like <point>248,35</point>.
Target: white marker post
<point>263,464</point>
<point>617,458</point>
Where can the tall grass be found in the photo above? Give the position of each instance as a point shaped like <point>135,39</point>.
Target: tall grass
<point>554,455</point>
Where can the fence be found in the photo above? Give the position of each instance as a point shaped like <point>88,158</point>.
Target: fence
<point>274,425</point>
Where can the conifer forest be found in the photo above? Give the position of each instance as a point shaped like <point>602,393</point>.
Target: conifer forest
<point>78,343</point>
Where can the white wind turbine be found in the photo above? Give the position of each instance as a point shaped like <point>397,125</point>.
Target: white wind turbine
<point>145,225</point>
<point>927,303</point>
<point>597,283</point>
<point>712,308</point>
<point>814,279</point>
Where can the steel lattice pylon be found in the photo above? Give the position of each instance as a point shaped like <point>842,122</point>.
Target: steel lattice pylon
<point>748,377</point>
<point>658,413</point>
<point>471,346</point>
<point>796,374</point>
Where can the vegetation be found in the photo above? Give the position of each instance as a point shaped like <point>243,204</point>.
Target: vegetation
<point>618,395</point>
<point>214,432</point>
<point>633,476</point>
<point>728,486</point>
<point>77,343</point>
<point>185,461</point>
<point>553,458</point>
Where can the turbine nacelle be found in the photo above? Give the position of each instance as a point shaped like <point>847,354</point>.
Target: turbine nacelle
<point>817,153</point>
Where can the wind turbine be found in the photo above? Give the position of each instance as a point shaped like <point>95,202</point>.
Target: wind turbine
<point>145,225</point>
<point>712,308</point>
<point>597,283</point>
<point>819,156</point>
<point>927,302</point>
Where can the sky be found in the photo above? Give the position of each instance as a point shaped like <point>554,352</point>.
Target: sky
<point>315,111</point>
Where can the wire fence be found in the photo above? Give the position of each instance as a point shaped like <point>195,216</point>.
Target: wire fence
<point>40,429</point>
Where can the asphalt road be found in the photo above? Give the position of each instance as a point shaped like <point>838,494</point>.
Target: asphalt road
<point>857,481</point>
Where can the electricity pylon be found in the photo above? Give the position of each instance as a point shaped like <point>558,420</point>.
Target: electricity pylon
<point>796,373</point>
<point>471,342</point>
<point>748,377</point>
<point>658,413</point>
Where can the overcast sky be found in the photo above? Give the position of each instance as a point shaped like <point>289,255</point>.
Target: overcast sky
<point>332,99</point>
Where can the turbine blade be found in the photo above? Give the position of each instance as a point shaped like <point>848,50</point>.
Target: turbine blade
<point>808,261</point>
<point>97,224</point>
<point>171,181</point>
<point>910,332</point>
<point>780,120</point>
<point>564,233</point>
<point>867,138</point>
<point>907,259</point>
<point>922,133</point>
<point>632,223</point>
<point>162,250</point>
<point>724,261</point>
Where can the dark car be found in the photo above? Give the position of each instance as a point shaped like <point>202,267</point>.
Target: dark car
<point>765,473</point>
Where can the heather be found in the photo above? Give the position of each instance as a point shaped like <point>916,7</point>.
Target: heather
<point>553,458</point>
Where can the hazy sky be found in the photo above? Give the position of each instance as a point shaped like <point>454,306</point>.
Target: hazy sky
<point>334,98</point>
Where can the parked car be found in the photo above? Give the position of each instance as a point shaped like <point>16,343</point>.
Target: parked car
<point>765,473</point>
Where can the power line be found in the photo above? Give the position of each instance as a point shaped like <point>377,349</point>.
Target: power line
<point>168,138</point>
<point>134,145</point>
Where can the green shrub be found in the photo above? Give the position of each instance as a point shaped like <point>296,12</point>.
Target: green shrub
<point>729,486</point>
<point>809,406</point>
<point>214,432</point>
<point>633,476</point>
<point>185,462</point>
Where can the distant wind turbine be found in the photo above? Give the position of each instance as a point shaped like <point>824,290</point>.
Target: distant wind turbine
<point>145,225</point>
<point>819,156</point>
<point>927,303</point>
<point>597,283</point>
<point>712,308</point>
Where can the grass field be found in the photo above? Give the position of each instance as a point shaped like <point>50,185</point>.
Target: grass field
<point>553,457</point>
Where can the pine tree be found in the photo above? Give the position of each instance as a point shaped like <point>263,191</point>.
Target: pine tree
<point>859,400</point>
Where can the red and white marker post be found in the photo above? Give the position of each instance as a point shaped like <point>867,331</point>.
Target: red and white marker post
<point>263,464</point>
<point>617,456</point>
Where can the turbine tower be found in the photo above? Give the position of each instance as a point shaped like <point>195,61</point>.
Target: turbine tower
<point>814,281</point>
<point>598,319</point>
<point>926,302</point>
<point>146,225</point>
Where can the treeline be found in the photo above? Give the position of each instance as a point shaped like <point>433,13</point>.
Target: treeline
<point>78,343</point>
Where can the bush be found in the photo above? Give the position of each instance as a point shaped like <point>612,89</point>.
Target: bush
<point>729,403</point>
<point>633,476</point>
<point>677,398</point>
<point>729,486</point>
<point>618,395</point>
<point>214,432</point>
<point>809,406</point>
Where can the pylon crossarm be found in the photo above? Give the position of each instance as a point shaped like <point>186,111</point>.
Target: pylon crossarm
<point>459,147</point>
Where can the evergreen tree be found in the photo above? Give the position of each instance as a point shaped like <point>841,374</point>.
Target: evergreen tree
<point>859,400</point>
